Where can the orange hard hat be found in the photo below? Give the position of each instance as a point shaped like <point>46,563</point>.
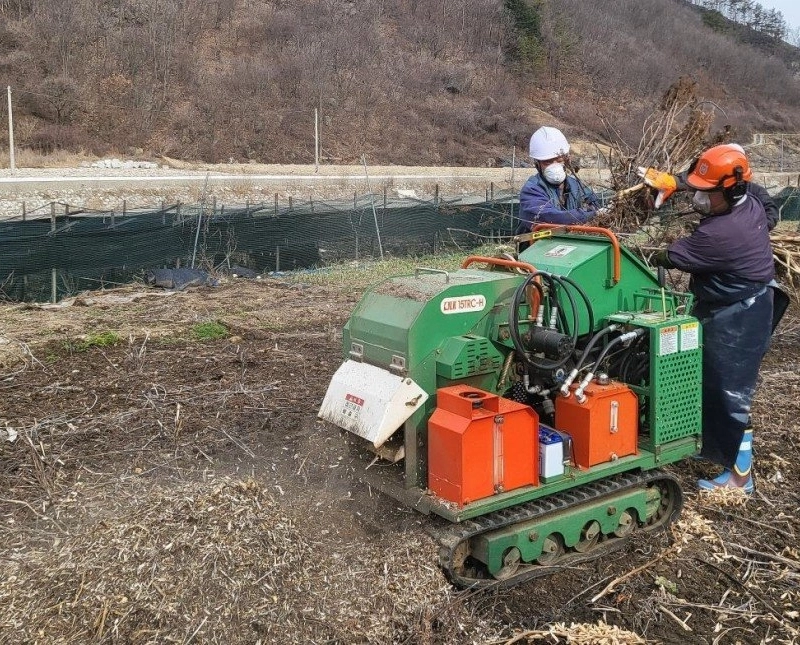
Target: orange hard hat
<point>722,166</point>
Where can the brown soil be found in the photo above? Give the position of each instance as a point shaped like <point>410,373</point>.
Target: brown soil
<point>172,489</point>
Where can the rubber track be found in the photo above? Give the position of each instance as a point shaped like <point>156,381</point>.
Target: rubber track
<point>455,534</point>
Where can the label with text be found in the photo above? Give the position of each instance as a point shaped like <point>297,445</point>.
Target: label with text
<point>463,304</point>
<point>352,406</point>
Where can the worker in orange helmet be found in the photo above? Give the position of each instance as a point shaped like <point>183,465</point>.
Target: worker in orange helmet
<point>737,300</point>
<point>664,185</point>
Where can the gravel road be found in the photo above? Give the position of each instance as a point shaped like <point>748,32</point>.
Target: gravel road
<point>107,188</point>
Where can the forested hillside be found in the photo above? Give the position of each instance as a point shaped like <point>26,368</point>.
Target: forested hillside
<point>453,82</point>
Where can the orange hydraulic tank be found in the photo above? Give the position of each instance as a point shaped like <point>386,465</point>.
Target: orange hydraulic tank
<point>604,427</point>
<point>480,444</point>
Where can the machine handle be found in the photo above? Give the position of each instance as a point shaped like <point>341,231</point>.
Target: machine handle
<point>419,270</point>
<point>514,264</point>
<point>590,229</point>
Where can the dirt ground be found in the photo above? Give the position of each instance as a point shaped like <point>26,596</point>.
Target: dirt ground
<point>168,488</point>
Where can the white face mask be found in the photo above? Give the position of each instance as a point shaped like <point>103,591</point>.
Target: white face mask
<point>702,203</point>
<point>554,173</point>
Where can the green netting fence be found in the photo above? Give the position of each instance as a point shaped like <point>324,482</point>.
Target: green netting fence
<point>56,252</point>
<point>788,202</point>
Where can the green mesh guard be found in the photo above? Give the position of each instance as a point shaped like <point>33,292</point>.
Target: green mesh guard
<point>676,404</point>
<point>673,395</point>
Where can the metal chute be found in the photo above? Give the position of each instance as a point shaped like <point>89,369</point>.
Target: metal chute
<point>369,401</point>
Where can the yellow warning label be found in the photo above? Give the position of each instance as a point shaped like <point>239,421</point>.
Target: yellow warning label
<point>690,336</point>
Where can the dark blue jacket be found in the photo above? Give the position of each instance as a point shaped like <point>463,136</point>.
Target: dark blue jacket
<point>729,256</point>
<point>771,209</point>
<point>542,203</point>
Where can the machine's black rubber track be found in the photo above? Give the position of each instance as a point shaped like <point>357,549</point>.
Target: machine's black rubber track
<point>456,534</point>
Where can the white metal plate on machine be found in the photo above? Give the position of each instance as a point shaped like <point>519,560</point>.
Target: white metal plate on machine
<point>369,401</point>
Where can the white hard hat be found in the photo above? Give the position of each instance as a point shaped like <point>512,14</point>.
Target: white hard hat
<point>548,143</point>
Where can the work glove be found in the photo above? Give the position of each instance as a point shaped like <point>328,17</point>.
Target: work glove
<point>663,182</point>
<point>661,259</point>
<point>604,210</point>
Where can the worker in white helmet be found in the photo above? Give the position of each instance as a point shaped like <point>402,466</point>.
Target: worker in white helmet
<point>552,196</point>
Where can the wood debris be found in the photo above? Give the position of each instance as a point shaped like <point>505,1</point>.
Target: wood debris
<point>599,633</point>
<point>674,134</point>
<point>786,251</point>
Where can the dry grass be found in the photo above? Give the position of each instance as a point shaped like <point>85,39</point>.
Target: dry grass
<point>26,158</point>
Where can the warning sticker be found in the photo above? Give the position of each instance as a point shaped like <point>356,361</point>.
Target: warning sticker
<point>352,406</point>
<point>560,251</point>
<point>690,336</point>
<point>668,341</point>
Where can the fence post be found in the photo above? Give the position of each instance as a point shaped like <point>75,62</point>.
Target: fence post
<point>53,272</point>
<point>276,204</point>
<point>277,259</point>
<point>24,212</point>
<point>124,207</point>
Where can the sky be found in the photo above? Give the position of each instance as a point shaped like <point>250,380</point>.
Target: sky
<point>789,8</point>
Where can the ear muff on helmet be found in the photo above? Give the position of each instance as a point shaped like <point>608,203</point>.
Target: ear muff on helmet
<point>739,189</point>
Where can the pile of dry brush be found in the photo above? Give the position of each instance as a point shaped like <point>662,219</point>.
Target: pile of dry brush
<point>675,134</point>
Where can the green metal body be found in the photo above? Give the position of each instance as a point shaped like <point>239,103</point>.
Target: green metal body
<point>399,325</point>
<point>441,329</point>
<point>589,261</point>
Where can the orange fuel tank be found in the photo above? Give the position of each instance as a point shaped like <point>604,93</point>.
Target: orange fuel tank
<point>604,427</point>
<point>480,444</point>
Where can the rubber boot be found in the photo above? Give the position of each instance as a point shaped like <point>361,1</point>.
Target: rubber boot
<point>741,476</point>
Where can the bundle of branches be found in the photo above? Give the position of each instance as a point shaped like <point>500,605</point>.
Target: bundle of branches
<point>672,136</point>
<point>786,251</point>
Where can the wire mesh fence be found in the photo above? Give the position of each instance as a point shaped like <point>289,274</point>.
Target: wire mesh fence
<point>52,253</point>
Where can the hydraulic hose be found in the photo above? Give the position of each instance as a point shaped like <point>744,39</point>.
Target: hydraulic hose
<point>636,333</point>
<point>589,308</point>
<point>559,281</point>
<point>513,321</point>
<point>589,346</point>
